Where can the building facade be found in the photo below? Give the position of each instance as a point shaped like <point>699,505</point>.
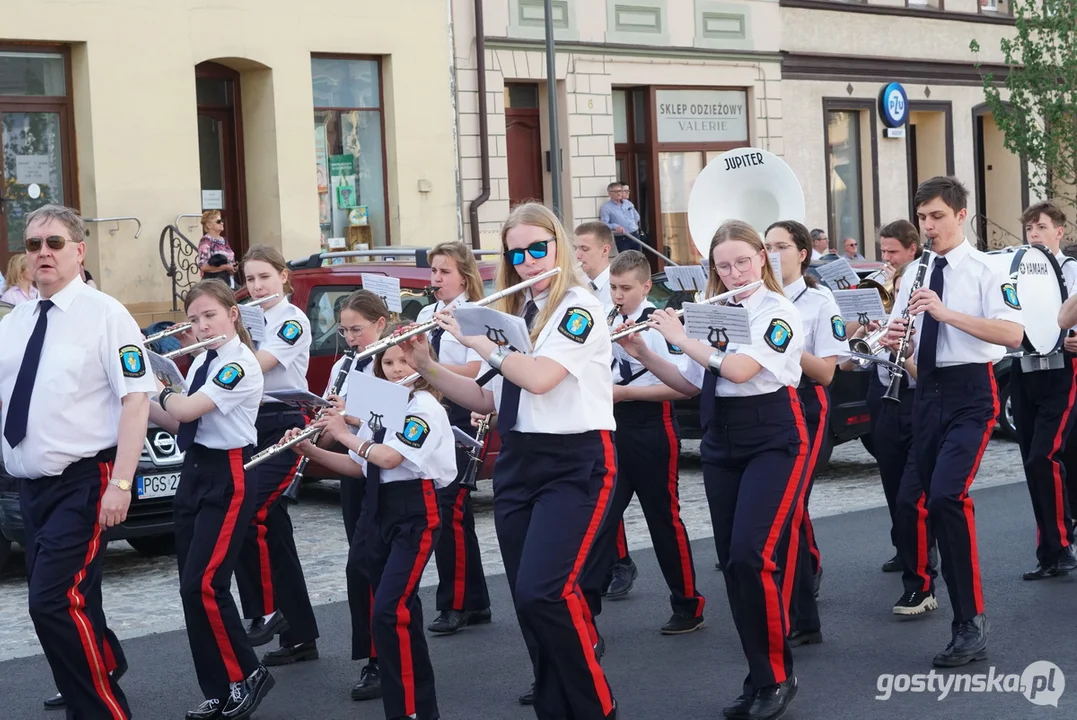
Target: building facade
<point>306,125</point>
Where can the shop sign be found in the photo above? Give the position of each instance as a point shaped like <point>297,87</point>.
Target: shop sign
<point>702,116</point>
<point>893,105</point>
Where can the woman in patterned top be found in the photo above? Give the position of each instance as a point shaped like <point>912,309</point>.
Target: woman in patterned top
<point>213,245</point>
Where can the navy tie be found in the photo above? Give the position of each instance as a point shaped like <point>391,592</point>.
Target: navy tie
<point>19,410</point>
<point>929,331</point>
<point>363,363</point>
<point>373,482</point>
<point>510,392</point>
<point>435,340</point>
<point>187,430</point>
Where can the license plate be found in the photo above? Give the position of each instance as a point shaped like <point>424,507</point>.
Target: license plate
<point>155,486</point>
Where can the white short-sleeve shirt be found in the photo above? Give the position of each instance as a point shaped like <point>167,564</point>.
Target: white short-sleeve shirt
<point>427,444</point>
<point>577,338</point>
<point>654,341</point>
<point>234,383</point>
<point>777,345</point>
<point>601,288</point>
<point>288,340</point>
<point>824,328</point>
<point>451,351</point>
<point>971,286</point>
<point>92,357</point>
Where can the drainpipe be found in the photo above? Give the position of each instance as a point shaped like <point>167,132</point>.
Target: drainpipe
<point>484,131</point>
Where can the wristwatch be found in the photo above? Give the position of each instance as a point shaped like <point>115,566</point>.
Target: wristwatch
<point>124,485</point>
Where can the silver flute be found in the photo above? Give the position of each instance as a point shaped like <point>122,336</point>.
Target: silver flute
<point>184,327</point>
<point>193,348</point>
<point>640,326</point>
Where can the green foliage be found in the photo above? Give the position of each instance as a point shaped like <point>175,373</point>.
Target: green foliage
<point>1039,117</point>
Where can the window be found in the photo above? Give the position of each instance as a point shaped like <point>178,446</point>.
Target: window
<point>924,4</point>
<point>843,158</point>
<point>349,151</point>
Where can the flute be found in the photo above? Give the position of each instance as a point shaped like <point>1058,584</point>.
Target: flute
<point>184,327</point>
<point>196,346</point>
<point>637,327</point>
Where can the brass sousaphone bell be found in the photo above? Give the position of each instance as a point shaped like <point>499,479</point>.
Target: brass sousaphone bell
<point>883,283</point>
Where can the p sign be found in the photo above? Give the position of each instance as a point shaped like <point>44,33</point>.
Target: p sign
<point>894,105</point>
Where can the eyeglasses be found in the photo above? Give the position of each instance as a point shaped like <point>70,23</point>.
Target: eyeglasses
<point>780,247</point>
<point>536,250</point>
<point>55,242</point>
<point>741,264</point>
<point>346,331</point>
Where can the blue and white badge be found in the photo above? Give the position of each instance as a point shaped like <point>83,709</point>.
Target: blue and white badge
<point>894,105</point>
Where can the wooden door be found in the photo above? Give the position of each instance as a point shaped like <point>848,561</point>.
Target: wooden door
<point>524,148</point>
<point>220,149</point>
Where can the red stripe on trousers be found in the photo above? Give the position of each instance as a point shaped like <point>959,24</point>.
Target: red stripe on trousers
<point>622,541</point>
<point>265,568</point>
<point>921,542</point>
<point>776,609</point>
<point>403,615</point>
<point>800,514</point>
<point>824,425</point>
<point>1056,462</point>
<point>220,549</point>
<point>76,608</point>
<point>966,499</point>
<point>672,480</point>
<point>460,569</point>
<point>571,594</point>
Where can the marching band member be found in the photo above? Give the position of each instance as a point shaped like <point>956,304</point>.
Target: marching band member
<point>215,425</point>
<point>363,318</point>
<point>825,340</point>
<point>73,354</point>
<point>594,244</point>
<point>754,455</point>
<point>1043,415</point>
<point>462,596</point>
<point>648,446</point>
<point>956,402</point>
<point>399,527</point>
<point>554,474</point>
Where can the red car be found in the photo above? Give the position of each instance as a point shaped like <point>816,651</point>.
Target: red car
<point>319,290</point>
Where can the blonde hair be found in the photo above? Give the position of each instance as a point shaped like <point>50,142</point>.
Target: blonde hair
<point>223,294</point>
<point>420,384</point>
<point>15,267</point>
<point>539,216</point>
<point>738,230</point>
<point>465,264</point>
<point>272,257</point>
<point>207,216</point>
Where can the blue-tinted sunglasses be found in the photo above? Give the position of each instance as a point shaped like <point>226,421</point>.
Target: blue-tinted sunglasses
<point>536,250</point>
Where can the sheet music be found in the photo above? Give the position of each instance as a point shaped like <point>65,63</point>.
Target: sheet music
<point>838,274</point>
<point>499,327</point>
<point>860,306</point>
<point>468,442</point>
<point>298,398</point>
<point>717,324</point>
<point>166,371</point>
<point>776,264</point>
<point>387,288</point>
<point>373,400</point>
<point>254,319</point>
<point>688,278</point>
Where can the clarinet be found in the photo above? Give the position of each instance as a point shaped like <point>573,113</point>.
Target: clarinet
<point>476,457</point>
<point>893,392</point>
<point>291,493</point>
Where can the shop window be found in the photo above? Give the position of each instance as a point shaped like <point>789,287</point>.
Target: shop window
<point>350,152</point>
<point>924,4</point>
<point>844,170</point>
<point>996,7</point>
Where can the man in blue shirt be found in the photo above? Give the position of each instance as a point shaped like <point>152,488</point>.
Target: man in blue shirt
<point>620,215</point>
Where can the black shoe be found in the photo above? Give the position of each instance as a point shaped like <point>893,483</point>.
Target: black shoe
<point>892,565</point>
<point>600,648</point>
<point>969,644</point>
<point>682,624</point>
<point>528,698</point>
<point>915,602</point>
<point>291,654</point>
<point>56,702</point>
<point>448,622</point>
<point>718,566</point>
<point>623,578</point>
<point>1065,564</point>
<point>817,580</point>
<point>208,710</point>
<point>1067,561</point>
<point>805,637</point>
<point>772,701</point>
<point>740,707</point>
<point>479,617</point>
<point>369,685</point>
<point>247,695</point>
<point>260,632</point>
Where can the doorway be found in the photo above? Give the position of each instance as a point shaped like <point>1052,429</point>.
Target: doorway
<point>523,142</point>
<point>220,150</point>
<point>1001,185</point>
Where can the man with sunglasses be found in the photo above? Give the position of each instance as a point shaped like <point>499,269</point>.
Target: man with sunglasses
<point>74,390</point>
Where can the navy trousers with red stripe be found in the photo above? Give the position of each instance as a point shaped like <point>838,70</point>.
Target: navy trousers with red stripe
<point>212,508</point>
<point>269,574</point>
<point>1043,414</point>
<point>798,552</point>
<point>754,454</point>
<point>953,417</point>
<point>648,454</point>
<point>396,545</point>
<point>551,493</point>
<point>64,549</point>
<point>461,581</point>
<point>360,594</point>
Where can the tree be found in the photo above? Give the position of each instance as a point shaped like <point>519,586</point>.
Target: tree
<point>1039,118</point>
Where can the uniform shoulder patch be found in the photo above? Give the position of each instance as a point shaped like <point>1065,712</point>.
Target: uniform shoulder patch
<point>416,430</point>
<point>837,326</point>
<point>1009,296</point>
<point>290,332</point>
<point>778,335</point>
<point>228,376</point>
<point>133,361</point>
<point>576,325</point>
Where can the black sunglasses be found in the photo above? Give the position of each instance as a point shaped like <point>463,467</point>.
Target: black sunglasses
<point>55,242</point>
<point>537,250</point>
